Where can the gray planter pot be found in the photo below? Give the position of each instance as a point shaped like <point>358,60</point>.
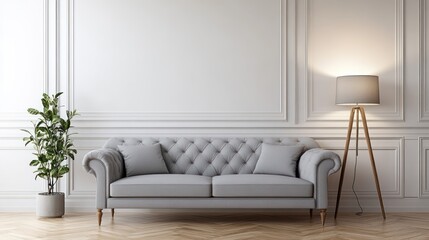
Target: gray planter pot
<point>50,205</point>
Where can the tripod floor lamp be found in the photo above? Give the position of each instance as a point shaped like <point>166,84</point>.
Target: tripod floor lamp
<point>358,90</point>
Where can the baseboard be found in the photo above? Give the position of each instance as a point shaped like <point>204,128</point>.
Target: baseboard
<point>347,204</point>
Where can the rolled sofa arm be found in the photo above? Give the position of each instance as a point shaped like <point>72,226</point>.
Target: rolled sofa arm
<point>107,166</point>
<point>315,166</point>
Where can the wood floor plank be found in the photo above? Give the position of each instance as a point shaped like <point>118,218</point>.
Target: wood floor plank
<point>161,224</point>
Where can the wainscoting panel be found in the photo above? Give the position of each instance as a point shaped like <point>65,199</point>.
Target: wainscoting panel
<point>424,63</point>
<point>424,168</point>
<point>353,38</point>
<point>23,56</point>
<point>178,60</point>
<point>17,178</point>
<point>389,163</point>
<point>23,78</point>
<point>81,183</point>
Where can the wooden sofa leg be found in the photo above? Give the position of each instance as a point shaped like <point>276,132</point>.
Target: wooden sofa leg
<point>99,215</point>
<point>311,213</point>
<point>323,216</point>
<point>113,212</point>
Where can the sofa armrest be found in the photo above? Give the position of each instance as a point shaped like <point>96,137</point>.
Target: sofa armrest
<point>315,166</point>
<point>107,166</point>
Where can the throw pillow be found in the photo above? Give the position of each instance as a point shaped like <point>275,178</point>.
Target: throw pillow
<point>143,159</point>
<point>278,159</point>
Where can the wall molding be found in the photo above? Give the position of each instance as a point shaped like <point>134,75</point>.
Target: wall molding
<point>280,115</point>
<point>7,194</point>
<point>24,116</point>
<point>423,108</point>
<point>397,114</point>
<point>423,166</point>
<point>71,190</point>
<point>378,144</point>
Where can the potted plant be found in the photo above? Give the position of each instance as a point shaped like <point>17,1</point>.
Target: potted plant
<point>53,145</point>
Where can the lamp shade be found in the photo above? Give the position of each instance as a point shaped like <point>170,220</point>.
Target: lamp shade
<point>357,90</point>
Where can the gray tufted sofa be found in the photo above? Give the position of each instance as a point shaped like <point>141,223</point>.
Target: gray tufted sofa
<point>211,173</point>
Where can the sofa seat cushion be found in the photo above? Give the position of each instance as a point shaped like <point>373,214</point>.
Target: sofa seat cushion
<point>162,185</point>
<point>260,185</point>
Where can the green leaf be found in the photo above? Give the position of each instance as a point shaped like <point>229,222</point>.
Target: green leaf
<point>71,155</point>
<point>41,129</point>
<point>34,163</point>
<point>33,111</point>
<point>41,175</point>
<point>64,170</point>
<point>48,115</point>
<point>45,103</point>
<point>58,94</point>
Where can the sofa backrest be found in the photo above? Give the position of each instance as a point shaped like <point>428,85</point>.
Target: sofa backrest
<point>210,156</point>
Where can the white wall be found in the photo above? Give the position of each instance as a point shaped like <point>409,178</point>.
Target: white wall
<point>218,68</point>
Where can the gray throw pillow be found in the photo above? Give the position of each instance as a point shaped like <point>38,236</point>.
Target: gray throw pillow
<point>143,159</point>
<point>278,159</point>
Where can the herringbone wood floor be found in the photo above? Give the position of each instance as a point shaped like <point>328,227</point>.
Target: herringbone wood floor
<point>162,224</point>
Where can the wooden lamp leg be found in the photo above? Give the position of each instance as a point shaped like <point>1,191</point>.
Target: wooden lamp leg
<point>371,156</point>
<point>346,151</point>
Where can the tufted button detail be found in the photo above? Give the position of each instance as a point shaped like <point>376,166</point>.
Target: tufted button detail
<point>221,155</point>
